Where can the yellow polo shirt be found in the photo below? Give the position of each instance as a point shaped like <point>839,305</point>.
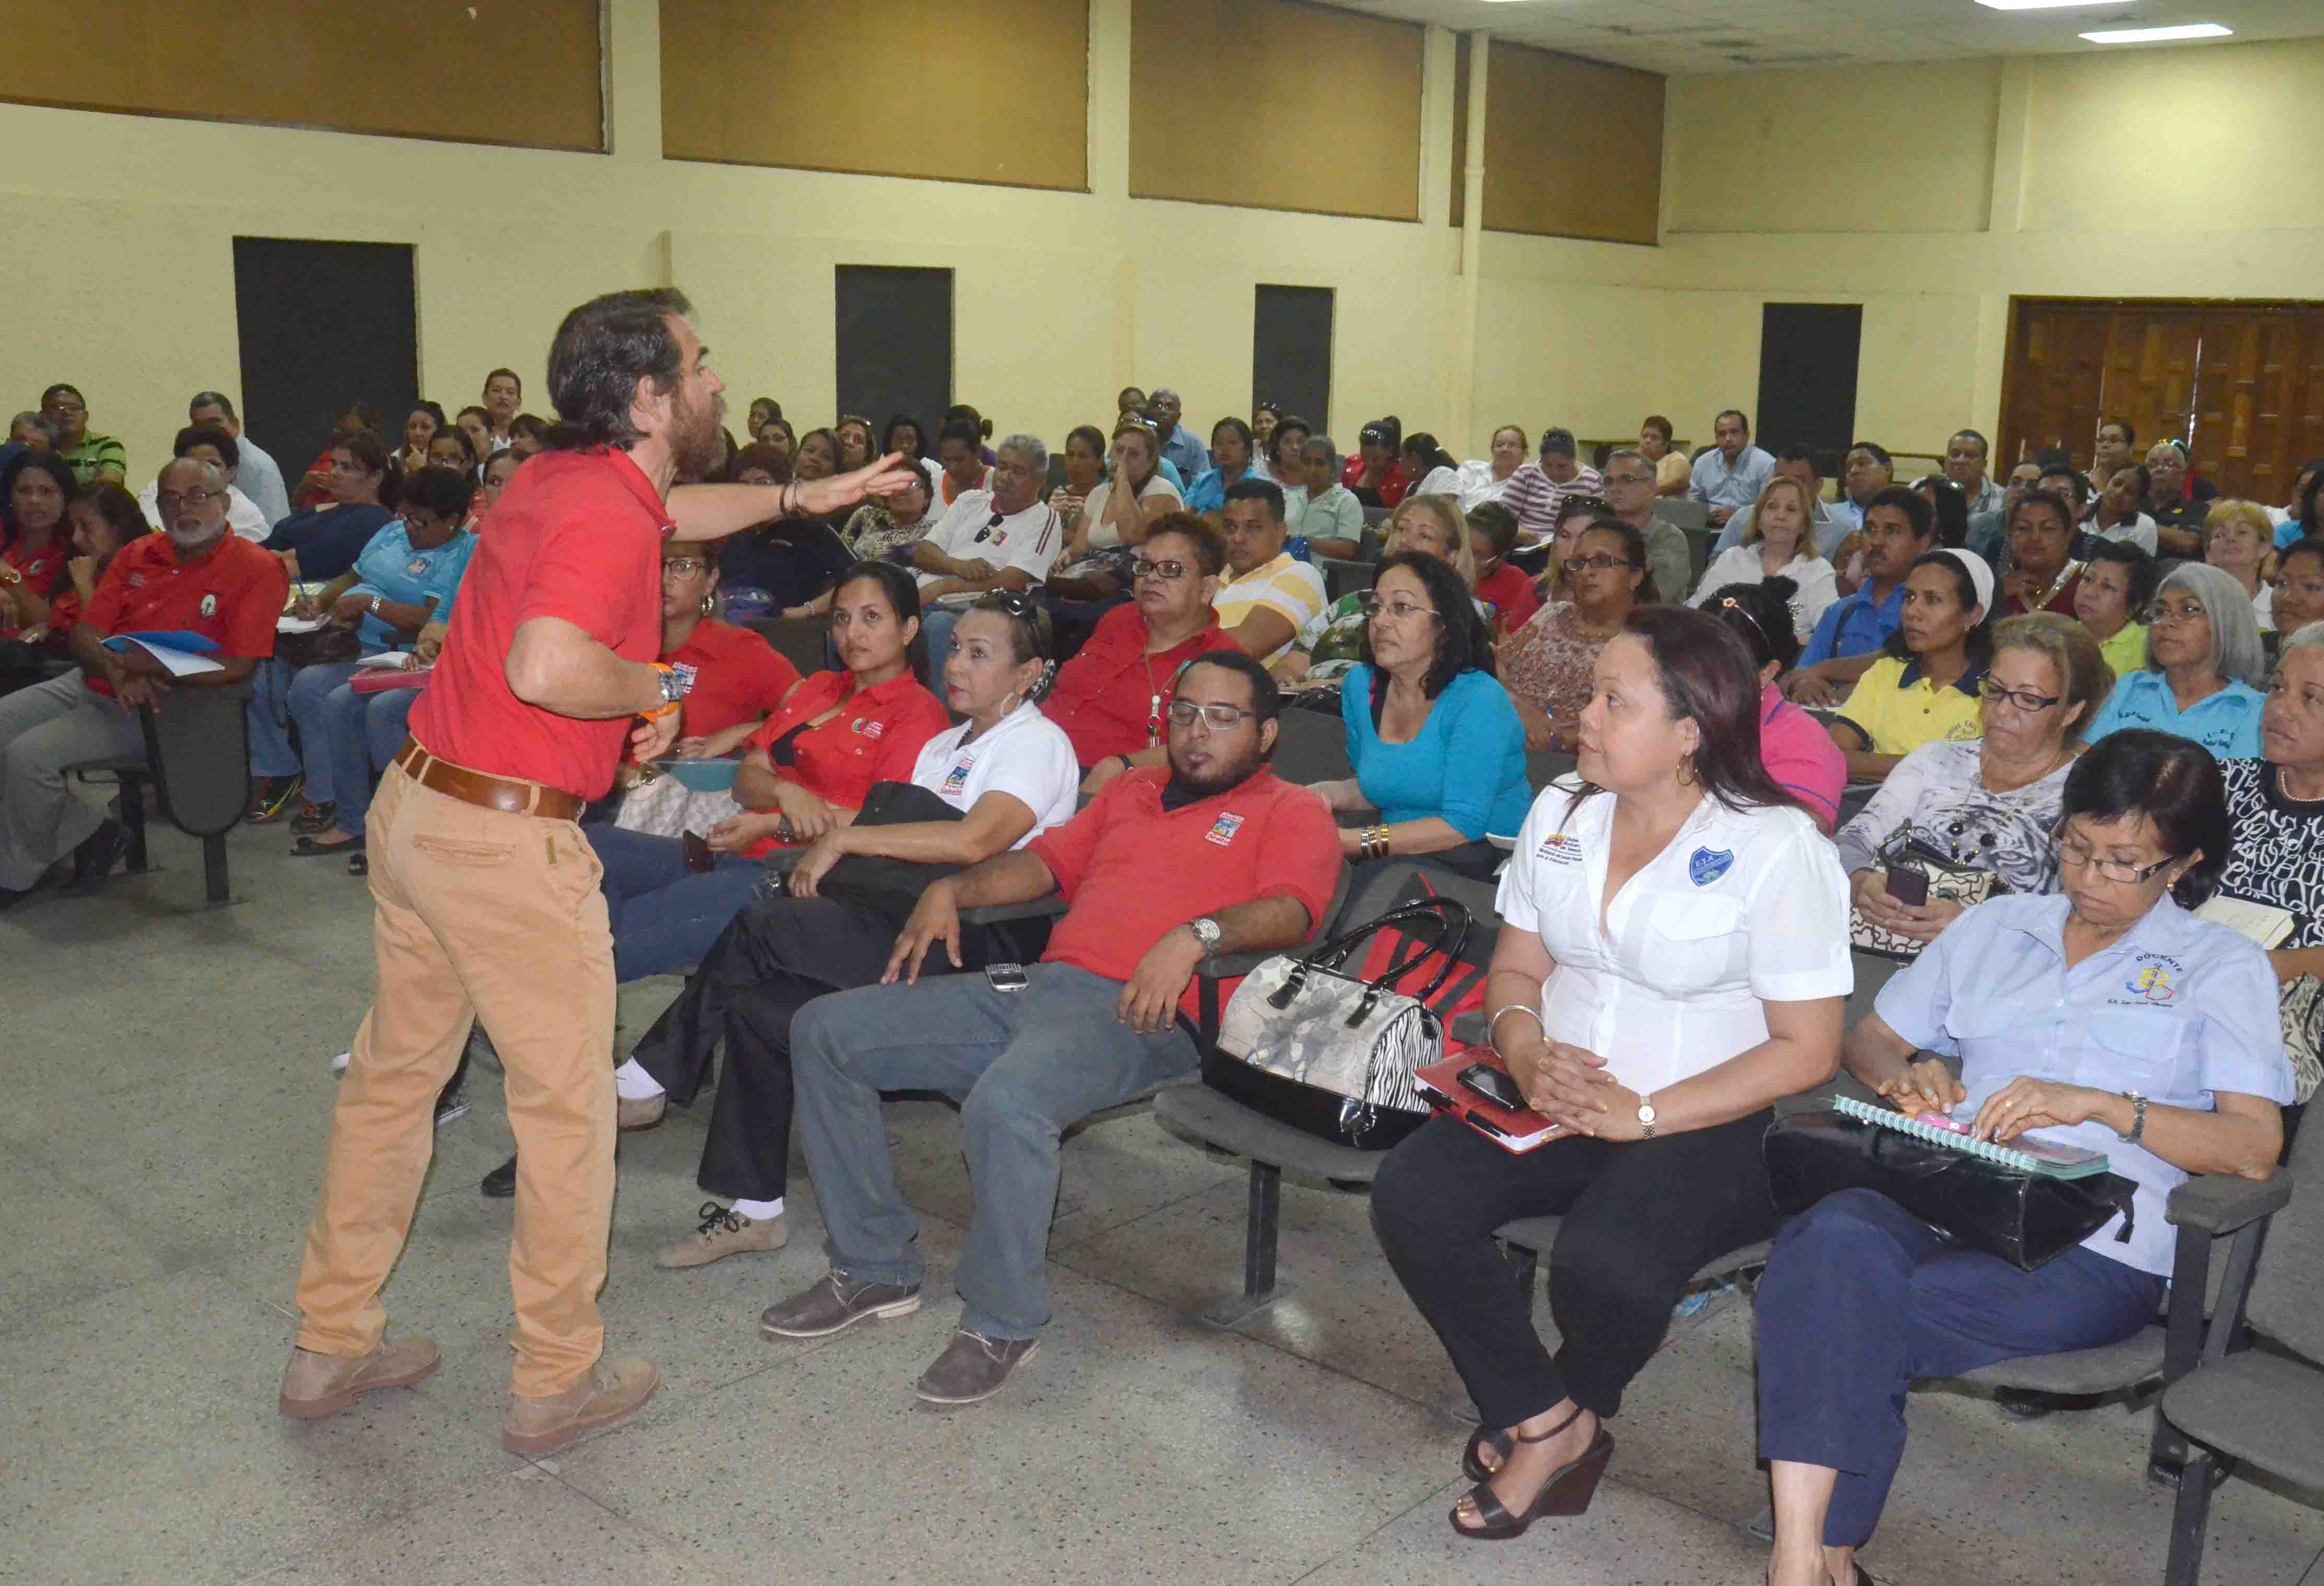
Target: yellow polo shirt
<point>2125,652</point>
<point>1899,711</point>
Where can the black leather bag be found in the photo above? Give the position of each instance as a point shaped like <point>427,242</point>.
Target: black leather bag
<point>2025,1218</point>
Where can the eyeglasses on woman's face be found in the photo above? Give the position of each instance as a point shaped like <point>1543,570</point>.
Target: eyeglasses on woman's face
<point>1600,563</point>
<point>1166,571</point>
<point>683,568</point>
<point>2073,853</point>
<point>1994,691</point>
<point>1403,611</point>
<point>2167,611</point>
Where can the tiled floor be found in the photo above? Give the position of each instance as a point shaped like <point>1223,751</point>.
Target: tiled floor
<point>169,1099</point>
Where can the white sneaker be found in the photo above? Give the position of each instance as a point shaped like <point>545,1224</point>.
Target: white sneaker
<point>339,1063</point>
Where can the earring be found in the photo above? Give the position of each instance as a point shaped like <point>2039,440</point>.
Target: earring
<point>709,606</point>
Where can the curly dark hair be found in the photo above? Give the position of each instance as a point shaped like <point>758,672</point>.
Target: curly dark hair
<point>1761,616</point>
<point>1463,643</point>
<point>602,350</point>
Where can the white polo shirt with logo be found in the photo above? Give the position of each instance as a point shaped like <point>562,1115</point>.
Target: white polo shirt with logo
<point>971,530</point>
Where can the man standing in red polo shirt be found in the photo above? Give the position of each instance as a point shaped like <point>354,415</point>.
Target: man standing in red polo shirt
<point>195,576</point>
<point>1109,698</point>
<point>1213,853</point>
<point>486,898</point>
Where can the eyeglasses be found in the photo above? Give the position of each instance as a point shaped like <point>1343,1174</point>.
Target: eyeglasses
<point>1165,571</point>
<point>2024,699</point>
<point>2163,614</point>
<point>1403,611</point>
<point>1626,478</point>
<point>169,499</point>
<point>1220,717</point>
<point>683,566</point>
<point>1597,564</point>
<point>2078,854</point>
<point>985,533</point>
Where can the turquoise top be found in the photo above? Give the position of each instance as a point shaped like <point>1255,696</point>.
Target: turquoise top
<point>2226,722</point>
<point>391,569</point>
<point>1466,766</point>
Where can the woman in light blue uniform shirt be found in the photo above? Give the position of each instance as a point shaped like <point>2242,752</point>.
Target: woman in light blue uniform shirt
<point>2204,667</point>
<point>2108,1018</point>
<point>1437,748</point>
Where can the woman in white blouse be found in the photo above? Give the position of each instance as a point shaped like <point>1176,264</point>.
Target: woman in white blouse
<point>1118,509</point>
<point>1781,541</point>
<point>1673,958</point>
<point>1484,479</point>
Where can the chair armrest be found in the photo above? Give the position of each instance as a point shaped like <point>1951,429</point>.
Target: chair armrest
<point>1223,966</point>
<point>989,914</point>
<point>2221,1203</point>
<point>1470,1029</point>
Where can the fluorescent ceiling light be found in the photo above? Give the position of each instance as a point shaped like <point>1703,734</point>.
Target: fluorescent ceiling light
<point>2040,4</point>
<point>2194,30</point>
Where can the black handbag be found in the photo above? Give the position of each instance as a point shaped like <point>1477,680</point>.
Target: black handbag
<point>2025,1218</point>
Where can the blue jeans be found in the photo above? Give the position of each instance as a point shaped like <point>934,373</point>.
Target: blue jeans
<point>1024,1066</point>
<point>268,713</point>
<point>666,917</point>
<point>364,731</point>
<point>1861,1297</point>
<point>309,700</point>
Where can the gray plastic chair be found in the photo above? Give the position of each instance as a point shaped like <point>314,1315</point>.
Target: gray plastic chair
<point>197,755</point>
<point>1311,745</point>
<point>2264,1405</point>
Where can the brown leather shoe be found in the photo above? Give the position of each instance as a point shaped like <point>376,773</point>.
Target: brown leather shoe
<point>317,1384</point>
<point>973,1368</point>
<point>837,1304</point>
<point>642,1113</point>
<point>614,1387</point>
<point>724,1232</point>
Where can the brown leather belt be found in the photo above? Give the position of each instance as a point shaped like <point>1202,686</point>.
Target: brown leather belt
<point>506,794</point>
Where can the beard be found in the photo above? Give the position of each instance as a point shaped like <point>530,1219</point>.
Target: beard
<point>696,444</point>
<point>1218,778</point>
<point>194,538</point>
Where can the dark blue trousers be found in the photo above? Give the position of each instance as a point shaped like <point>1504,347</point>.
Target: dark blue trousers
<point>1860,1298</point>
<point>666,917</point>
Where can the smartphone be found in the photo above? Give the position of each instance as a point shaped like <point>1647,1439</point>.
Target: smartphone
<point>1494,1085</point>
<point>698,856</point>
<point>1005,977</point>
<point>1909,886</point>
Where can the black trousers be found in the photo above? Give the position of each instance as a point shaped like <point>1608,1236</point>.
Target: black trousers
<point>1640,1220</point>
<point>777,956</point>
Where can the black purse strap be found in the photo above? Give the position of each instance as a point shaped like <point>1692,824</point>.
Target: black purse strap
<point>1447,916</point>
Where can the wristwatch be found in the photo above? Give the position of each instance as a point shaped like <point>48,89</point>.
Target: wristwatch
<point>1207,932</point>
<point>2137,1118</point>
<point>677,678</point>
<point>1646,1118</point>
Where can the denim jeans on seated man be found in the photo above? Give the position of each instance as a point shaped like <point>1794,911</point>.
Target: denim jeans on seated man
<point>1025,1066</point>
<point>666,914</point>
<point>360,757</point>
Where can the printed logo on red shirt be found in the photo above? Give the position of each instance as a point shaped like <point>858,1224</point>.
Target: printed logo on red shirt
<point>209,605</point>
<point>1223,830</point>
<point>869,729</point>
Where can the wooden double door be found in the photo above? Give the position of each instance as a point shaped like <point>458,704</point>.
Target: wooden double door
<point>2241,382</point>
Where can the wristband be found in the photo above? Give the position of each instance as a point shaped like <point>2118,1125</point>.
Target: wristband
<point>1125,762</point>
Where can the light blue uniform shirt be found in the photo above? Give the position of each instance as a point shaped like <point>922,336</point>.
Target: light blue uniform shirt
<point>1854,625</point>
<point>1209,493</point>
<point>390,569</point>
<point>2226,722</point>
<point>1188,451</point>
<point>2178,1010</point>
<point>1467,764</point>
<point>1717,485</point>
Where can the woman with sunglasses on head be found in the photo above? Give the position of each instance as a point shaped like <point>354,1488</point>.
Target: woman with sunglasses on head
<point>1438,751</point>
<point>1925,686</point>
<point>1988,804</point>
<point>2204,666</point>
<point>2105,1016</point>
<point>1794,746</point>
<point>1009,773</point>
<point>1781,543</point>
<point>1547,666</point>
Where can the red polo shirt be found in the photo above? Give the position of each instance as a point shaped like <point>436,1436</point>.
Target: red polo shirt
<point>1129,872</point>
<point>576,535</point>
<point>1104,697</point>
<point>43,569</point>
<point>740,677</point>
<point>1513,596</point>
<point>231,594</point>
<point>876,737</point>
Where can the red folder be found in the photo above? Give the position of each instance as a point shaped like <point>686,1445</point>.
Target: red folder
<point>1511,1129</point>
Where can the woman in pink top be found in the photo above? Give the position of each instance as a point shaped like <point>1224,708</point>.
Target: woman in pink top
<point>1799,753</point>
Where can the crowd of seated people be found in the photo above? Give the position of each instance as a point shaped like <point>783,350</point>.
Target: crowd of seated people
<point>2104,735</point>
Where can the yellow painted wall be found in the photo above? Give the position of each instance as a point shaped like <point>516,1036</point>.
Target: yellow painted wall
<point>1061,298</point>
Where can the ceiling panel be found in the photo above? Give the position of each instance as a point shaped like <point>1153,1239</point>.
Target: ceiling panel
<point>1680,36</point>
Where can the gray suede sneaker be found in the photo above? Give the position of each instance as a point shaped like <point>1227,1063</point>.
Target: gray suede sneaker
<point>835,1304</point>
<point>317,1384</point>
<point>615,1386</point>
<point>972,1368</point>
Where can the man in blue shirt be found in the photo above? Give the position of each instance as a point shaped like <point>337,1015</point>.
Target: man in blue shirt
<point>257,475</point>
<point>1870,470</point>
<point>1727,478</point>
<point>1191,457</point>
<point>1899,528</point>
<point>1798,462</point>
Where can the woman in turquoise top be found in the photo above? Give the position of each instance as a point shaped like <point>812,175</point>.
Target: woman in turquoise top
<point>403,579</point>
<point>1232,462</point>
<point>1436,746</point>
<point>2204,664</point>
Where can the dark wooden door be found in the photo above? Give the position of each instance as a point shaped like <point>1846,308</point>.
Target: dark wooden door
<point>323,325</point>
<point>2241,383</point>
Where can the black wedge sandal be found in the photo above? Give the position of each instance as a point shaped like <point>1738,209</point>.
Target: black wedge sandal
<point>1566,1493</point>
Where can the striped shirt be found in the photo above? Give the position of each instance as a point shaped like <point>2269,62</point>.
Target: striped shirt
<point>1535,498</point>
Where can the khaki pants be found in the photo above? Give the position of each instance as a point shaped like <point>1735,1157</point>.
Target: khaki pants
<point>479,915</point>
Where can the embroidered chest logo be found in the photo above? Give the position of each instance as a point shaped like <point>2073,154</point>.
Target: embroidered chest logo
<point>416,566</point>
<point>2153,981</point>
<point>209,605</point>
<point>957,778</point>
<point>867,727</point>
<point>1706,865</point>
<point>1560,849</point>
<point>1223,829</point>
<point>136,580</point>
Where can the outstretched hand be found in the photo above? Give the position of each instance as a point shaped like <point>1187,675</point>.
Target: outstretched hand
<point>884,476</point>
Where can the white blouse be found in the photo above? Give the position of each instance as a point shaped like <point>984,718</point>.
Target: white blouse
<point>1743,563</point>
<point>1742,907</point>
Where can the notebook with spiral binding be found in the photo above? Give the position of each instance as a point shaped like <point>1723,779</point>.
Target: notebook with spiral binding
<point>2025,1155</point>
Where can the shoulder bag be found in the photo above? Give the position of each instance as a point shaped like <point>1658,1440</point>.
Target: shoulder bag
<point>1957,883</point>
<point>1313,1046</point>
